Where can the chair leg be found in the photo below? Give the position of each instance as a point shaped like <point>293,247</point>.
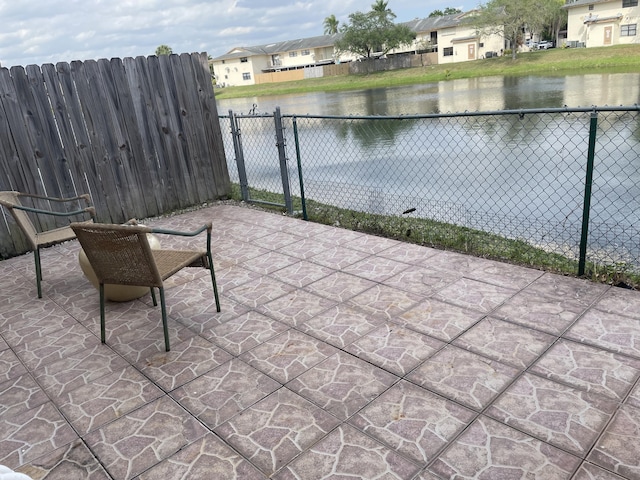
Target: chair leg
<point>36,257</point>
<point>163,307</point>
<point>213,281</point>
<point>103,336</point>
<point>153,297</point>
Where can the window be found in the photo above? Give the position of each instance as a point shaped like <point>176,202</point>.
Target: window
<point>447,52</point>
<point>305,52</point>
<point>246,76</point>
<point>629,3</point>
<point>224,61</point>
<point>590,7</point>
<point>628,30</point>
<point>244,59</point>
<point>481,44</point>
<point>293,54</point>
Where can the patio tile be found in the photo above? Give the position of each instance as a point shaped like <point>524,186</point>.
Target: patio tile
<point>275,240</point>
<point>296,308</point>
<point>202,322</point>
<point>374,268</point>
<point>607,330</point>
<point>31,434</point>
<point>244,332</point>
<point>106,399</point>
<point>371,243</point>
<point>454,261</point>
<point>288,355</point>
<point>340,286</point>
<point>340,325</point>
<point>504,274</point>
<point>148,435</point>
<point>493,450</point>
<point>476,295</point>
<point>33,321</point>
<point>342,384</point>
<point>589,471</point>
<point>589,369</point>
<point>230,276</point>
<point>412,421</point>
<point>634,396</point>
<point>275,430</point>
<point>338,257</point>
<point>208,457</point>
<point>10,364</point>
<point>617,449</point>
<point>186,361</point>
<point>269,262</point>
<point>260,291</point>
<point>71,461</point>
<point>573,289</point>
<point>562,416</point>
<point>620,301</point>
<point>550,314</point>
<point>394,348</point>
<point>423,280</point>
<point>348,453</point>
<point>305,248</point>
<point>439,319</point>
<point>408,253</point>
<point>302,273</point>
<point>385,303</point>
<point>19,395</point>
<point>464,377</point>
<point>220,394</point>
<point>508,343</point>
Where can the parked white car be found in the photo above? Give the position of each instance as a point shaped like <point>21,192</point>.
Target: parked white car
<point>545,45</point>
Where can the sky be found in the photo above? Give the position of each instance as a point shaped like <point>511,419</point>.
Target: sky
<point>51,31</point>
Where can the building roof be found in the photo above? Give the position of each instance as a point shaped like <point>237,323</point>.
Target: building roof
<point>581,3</point>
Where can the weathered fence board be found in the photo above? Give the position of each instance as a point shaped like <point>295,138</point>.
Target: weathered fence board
<point>142,136</point>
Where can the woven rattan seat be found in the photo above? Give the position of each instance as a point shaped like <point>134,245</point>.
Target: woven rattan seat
<point>13,202</point>
<point>122,255</point>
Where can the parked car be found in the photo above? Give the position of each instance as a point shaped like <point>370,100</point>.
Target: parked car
<point>545,45</point>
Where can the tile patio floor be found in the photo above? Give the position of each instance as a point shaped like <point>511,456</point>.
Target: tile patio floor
<point>336,355</point>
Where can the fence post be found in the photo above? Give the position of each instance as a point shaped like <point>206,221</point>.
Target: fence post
<point>237,148</point>
<point>593,128</point>
<point>283,161</point>
<point>299,160</point>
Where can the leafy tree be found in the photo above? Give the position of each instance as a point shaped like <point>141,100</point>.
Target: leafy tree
<point>164,50</point>
<point>373,31</point>
<point>447,11</point>
<point>555,16</point>
<point>331,25</point>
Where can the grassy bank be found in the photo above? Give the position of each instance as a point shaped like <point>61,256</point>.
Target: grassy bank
<point>556,61</point>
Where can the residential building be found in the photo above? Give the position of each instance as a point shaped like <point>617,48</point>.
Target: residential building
<point>598,23</point>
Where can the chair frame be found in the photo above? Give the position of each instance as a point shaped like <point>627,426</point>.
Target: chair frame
<point>37,240</point>
<point>109,246</point>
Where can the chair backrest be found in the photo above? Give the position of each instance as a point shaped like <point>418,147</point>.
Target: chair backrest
<point>119,254</point>
<point>9,200</point>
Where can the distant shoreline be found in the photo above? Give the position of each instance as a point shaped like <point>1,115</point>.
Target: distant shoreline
<point>556,61</point>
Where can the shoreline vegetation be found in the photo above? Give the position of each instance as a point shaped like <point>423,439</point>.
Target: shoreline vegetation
<point>555,61</point>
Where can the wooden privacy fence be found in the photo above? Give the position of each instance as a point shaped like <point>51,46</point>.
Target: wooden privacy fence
<point>141,135</point>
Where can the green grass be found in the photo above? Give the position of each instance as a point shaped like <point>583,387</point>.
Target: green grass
<point>556,61</point>
<point>445,236</point>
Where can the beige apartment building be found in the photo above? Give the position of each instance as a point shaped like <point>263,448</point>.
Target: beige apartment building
<point>598,23</point>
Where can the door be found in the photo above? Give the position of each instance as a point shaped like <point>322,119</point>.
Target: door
<point>471,51</point>
<point>607,35</point>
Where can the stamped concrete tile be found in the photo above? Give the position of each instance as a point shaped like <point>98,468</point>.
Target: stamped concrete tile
<point>552,315</point>
<point>504,274</point>
<point>277,240</point>
<point>338,236</point>
<point>340,286</point>
<point>338,257</point>
<point>220,394</point>
<point>342,384</point>
<point>139,440</point>
<point>394,348</point>
<point>208,457</point>
<point>232,275</point>
<point>73,461</point>
<point>296,308</point>
<point>260,291</point>
<point>275,430</point>
<point>371,243</point>
<point>634,396</point>
<point>620,301</point>
<point>412,421</point>
<point>340,325</point>
<point>31,434</point>
<point>464,377</point>
<point>19,395</point>
<point>245,332</point>
<point>186,361</point>
<point>288,355</point>
<point>423,280</point>
<point>270,262</point>
<point>408,253</point>
<point>562,416</point>
<point>107,398</point>
<point>617,449</point>
<point>589,369</point>
<point>573,289</point>
<point>385,303</point>
<point>305,248</point>
<point>445,260</point>
<point>34,322</point>
<point>10,365</point>
<point>490,450</point>
<point>589,471</point>
<point>375,268</point>
<point>348,453</point>
<point>476,295</point>
<point>439,319</point>
<point>302,273</point>
<point>607,330</point>
<point>508,343</point>
<point>200,323</point>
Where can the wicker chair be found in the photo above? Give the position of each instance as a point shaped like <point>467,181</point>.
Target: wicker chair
<point>121,255</point>
<point>40,239</point>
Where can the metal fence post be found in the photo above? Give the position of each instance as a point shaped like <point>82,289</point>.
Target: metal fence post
<point>288,202</point>
<point>587,193</point>
<point>237,147</point>
<point>299,160</point>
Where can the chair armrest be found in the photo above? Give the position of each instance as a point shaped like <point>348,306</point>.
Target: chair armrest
<point>207,226</point>
<point>90,210</point>
<point>84,196</point>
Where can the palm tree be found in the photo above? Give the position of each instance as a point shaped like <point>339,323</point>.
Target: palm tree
<point>331,25</point>
<point>164,50</point>
<point>379,6</point>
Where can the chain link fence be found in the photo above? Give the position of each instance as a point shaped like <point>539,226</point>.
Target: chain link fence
<point>564,180</point>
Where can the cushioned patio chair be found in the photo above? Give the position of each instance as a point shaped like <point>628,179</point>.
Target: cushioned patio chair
<point>12,201</point>
<point>122,255</point>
